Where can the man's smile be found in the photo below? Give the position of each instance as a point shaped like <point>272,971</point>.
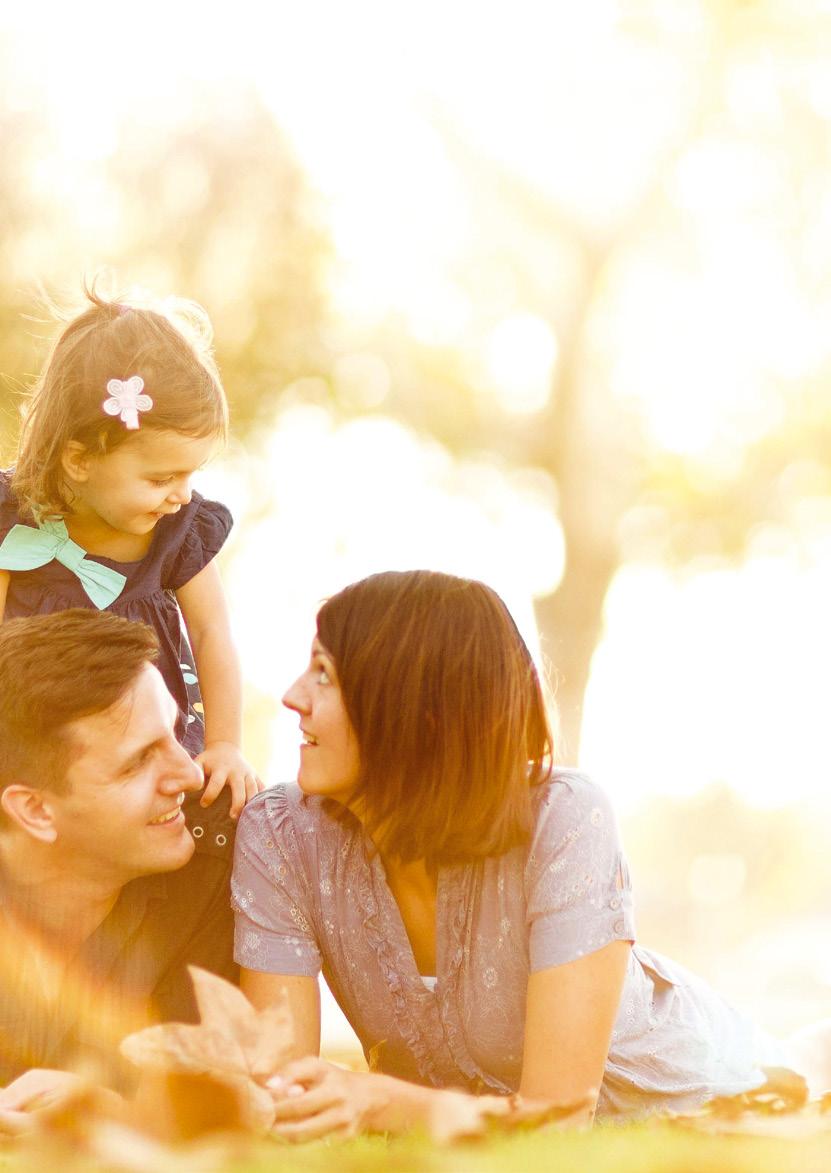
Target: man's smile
<point>170,815</point>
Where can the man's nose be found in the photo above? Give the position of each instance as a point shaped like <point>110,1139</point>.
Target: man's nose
<point>181,772</point>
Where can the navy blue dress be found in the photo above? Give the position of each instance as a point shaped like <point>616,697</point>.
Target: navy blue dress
<point>183,543</point>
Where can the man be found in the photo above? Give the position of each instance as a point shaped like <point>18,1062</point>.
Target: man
<point>107,894</point>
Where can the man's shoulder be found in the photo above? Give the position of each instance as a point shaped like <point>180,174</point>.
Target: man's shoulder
<point>212,827</point>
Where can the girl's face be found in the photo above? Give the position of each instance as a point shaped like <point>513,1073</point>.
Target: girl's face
<point>131,488</point>
<point>329,756</point>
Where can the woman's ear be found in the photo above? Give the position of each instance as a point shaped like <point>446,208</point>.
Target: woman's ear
<point>30,809</point>
<point>75,461</point>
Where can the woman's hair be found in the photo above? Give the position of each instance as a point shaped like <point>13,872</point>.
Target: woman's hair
<point>448,711</point>
<point>171,351</point>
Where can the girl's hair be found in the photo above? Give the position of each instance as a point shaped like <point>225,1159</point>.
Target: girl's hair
<point>448,711</point>
<point>170,350</point>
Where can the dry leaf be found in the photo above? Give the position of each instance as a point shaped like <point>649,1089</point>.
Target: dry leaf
<point>233,1044</point>
<point>782,1091</point>
<point>778,1108</point>
<point>459,1116</point>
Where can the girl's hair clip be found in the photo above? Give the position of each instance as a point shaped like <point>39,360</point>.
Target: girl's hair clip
<point>126,400</point>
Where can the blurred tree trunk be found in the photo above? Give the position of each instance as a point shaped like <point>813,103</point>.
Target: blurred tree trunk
<point>594,481</point>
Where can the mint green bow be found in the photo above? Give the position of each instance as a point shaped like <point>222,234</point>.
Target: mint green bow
<point>26,548</point>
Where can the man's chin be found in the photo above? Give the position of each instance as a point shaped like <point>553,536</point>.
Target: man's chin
<point>175,857</point>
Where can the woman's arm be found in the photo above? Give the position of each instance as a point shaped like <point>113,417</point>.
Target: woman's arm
<point>5,577</point>
<point>202,601</point>
<point>314,1098</point>
<point>570,1013</point>
<point>303,993</point>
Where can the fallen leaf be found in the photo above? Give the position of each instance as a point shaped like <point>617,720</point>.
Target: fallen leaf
<point>459,1116</point>
<point>233,1044</point>
<point>778,1108</point>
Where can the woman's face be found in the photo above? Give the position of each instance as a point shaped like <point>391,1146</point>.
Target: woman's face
<point>329,758</point>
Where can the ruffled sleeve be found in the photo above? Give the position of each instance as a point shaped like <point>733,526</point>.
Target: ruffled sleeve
<point>274,931</point>
<point>9,515</point>
<point>208,527</point>
<point>577,882</point>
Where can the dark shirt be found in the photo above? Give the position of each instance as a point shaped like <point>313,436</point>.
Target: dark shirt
<point>72,1013</point>
<point>183,544</point>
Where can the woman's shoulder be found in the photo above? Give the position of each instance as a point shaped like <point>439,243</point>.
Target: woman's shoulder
<point>568,792</point>
<point>570,806</point>
<point>285,817</point>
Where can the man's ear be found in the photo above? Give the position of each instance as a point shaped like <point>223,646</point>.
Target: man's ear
<point>76,461</point>
<point>31,810</point>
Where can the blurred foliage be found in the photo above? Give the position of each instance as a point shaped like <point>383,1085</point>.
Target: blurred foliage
<point>699,260</point>
<point>215,208</point>
<point>739,894</point>
<point>750,102</point>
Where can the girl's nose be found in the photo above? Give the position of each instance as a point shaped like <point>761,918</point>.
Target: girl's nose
<point>181,493</point>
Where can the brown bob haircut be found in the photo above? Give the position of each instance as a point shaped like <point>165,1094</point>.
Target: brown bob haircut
<point>170,350</point>
<point>55,669</point>
<point>448,712</point>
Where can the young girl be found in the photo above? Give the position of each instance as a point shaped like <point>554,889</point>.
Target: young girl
<point>99,510</point>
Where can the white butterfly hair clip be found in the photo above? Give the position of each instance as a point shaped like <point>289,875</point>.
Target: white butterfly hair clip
<point>126,400</point>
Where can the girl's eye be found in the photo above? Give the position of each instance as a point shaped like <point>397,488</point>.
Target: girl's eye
<point>323,677</point>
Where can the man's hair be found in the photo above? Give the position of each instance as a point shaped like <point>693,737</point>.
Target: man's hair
<point>55,669</point>
<point>448,711</point>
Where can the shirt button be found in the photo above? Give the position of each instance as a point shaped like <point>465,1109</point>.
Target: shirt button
<point>221,840</point>
<point>619,926</point>
<point>197,832</point>
<point>614,903</point>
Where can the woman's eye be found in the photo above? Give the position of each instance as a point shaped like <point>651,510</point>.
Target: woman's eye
<point>323,677</point>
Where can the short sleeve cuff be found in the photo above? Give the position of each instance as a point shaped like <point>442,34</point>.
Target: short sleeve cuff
<point>258,949</point>
<point>556,939</point>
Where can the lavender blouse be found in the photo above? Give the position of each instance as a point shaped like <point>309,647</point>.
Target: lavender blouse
<point>308,895</point>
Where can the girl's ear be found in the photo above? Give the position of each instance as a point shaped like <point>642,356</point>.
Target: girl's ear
<point>30,809</point>
<point>75,461</point>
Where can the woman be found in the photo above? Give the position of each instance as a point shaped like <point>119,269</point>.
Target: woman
<point>468,903</point>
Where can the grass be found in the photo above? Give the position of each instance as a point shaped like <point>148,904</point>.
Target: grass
<point>633,1148</point>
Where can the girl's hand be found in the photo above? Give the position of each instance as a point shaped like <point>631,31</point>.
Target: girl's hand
<point>314,1098</point>
<point>224,765</point>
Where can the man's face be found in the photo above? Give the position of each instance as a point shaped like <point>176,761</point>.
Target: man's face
<point>120,816</point>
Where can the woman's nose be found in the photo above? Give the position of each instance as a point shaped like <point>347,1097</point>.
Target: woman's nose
<point>296,697</point>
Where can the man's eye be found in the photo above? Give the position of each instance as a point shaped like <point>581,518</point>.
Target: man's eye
<point>161,484</point>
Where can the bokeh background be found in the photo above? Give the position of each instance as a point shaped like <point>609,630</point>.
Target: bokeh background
<point>538,293</point>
